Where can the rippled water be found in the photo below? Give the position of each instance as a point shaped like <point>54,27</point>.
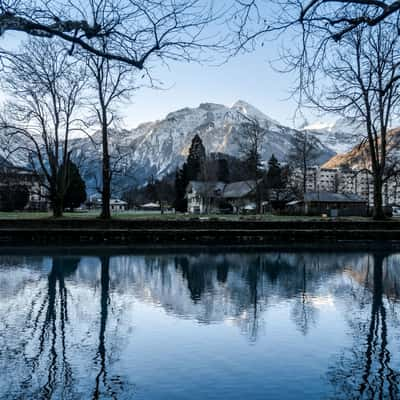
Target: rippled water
<point>200,325</point>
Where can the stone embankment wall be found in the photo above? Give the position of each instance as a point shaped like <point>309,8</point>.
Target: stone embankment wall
<point>83,232</point>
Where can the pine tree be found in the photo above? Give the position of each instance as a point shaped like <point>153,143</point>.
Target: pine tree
<point>192,169</point>
<point>181,182</point>
<point>196,159</point>
<point>223,170</point>
<point>75,194</point>
<point>274,174</point>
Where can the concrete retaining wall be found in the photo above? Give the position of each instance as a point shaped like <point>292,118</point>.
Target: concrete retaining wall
<point>133,232</point>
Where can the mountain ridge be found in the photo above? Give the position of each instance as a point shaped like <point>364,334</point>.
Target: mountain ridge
<point>154,149</point>
<point>358,157</point>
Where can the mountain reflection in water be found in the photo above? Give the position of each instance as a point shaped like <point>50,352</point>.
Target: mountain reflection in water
<point>200,325</point>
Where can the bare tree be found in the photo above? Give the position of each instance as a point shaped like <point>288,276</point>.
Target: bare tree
<point>250,142</point>
<point>130,33</point>
<point>255,20</point>
<point>341,17</point>
<point>302,155</point>
<point>362,81</point>
<point>166,30</point>
<point>45,88</point>
<point>135,29</point>
<point>112,83</point>
<point>357,77</point>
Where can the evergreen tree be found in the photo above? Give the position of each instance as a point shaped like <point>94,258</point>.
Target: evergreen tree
<point>196,159</point>
<point>274,174</point>
<point>150,191</point>
<point>254,165</point>
<point>181,182</point>
<point>192,169</point>
<point>223,170</point>
<point>75,194</point>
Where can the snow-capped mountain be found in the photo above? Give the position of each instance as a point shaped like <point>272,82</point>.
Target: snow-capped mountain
<point>157,148</point>
<point>340,135</point>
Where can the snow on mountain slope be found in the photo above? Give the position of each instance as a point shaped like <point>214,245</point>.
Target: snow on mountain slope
<point>339,135</point>
<point>359,157</point>
<point>157,148</point>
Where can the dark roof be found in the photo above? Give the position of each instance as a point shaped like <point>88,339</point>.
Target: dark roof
<point>328,197</point>
<point>232,190</point>
<point>205,187</point>
<point>239,189</point>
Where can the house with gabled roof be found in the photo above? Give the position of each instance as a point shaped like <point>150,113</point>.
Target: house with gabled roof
<point>205,197</point>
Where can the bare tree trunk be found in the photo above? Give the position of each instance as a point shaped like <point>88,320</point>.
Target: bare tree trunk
<point>378,201</point>
<point>57,207</point>
<point>106,189</point>
<point>258,198</point>
<point>304,170</point>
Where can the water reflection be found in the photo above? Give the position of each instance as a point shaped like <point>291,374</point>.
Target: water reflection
<point>91,327</point>
<point>43,348</point>
<point>53,307</point>
<point>367,370</point>
<point>113,385</point>
<point>304,312</point>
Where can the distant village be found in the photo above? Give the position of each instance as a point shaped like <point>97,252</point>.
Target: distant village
<point>333,192</point>
<point>220,185</point>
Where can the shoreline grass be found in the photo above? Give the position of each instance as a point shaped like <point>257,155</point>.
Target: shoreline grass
<point>132,215</point>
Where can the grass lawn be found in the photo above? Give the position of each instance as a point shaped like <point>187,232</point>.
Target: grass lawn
<point>157,215</point>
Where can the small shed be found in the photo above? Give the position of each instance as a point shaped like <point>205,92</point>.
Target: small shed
<point>334,204</point>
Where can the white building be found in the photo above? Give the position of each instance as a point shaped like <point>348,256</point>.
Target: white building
<point>205,197</point>
<point>318,179</point>
<point>326,180</point>
<point>347,181</point>
<point>200,194</point>
<point>117,205</point>
<point>14,176</point>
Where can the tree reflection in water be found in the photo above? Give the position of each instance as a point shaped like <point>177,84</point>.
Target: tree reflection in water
<point>49,328</point>
<point>247,281</point>
<point>69,347</point>
<point>365,371</point>
<point>114,385</point>
<point>304,313</point>
<point>48,346</point>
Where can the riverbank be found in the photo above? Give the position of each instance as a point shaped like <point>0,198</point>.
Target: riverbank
<point>197,231</point>
<point>156,215</point>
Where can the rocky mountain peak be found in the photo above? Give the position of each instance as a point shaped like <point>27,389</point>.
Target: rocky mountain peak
<point>159,147</point>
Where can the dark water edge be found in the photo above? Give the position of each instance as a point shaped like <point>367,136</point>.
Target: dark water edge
<point>157,248</point>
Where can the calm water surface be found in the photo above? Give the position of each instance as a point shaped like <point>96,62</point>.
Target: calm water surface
<point>200,325</point>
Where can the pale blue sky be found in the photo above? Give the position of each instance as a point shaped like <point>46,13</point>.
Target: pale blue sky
<point>248,77</point>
